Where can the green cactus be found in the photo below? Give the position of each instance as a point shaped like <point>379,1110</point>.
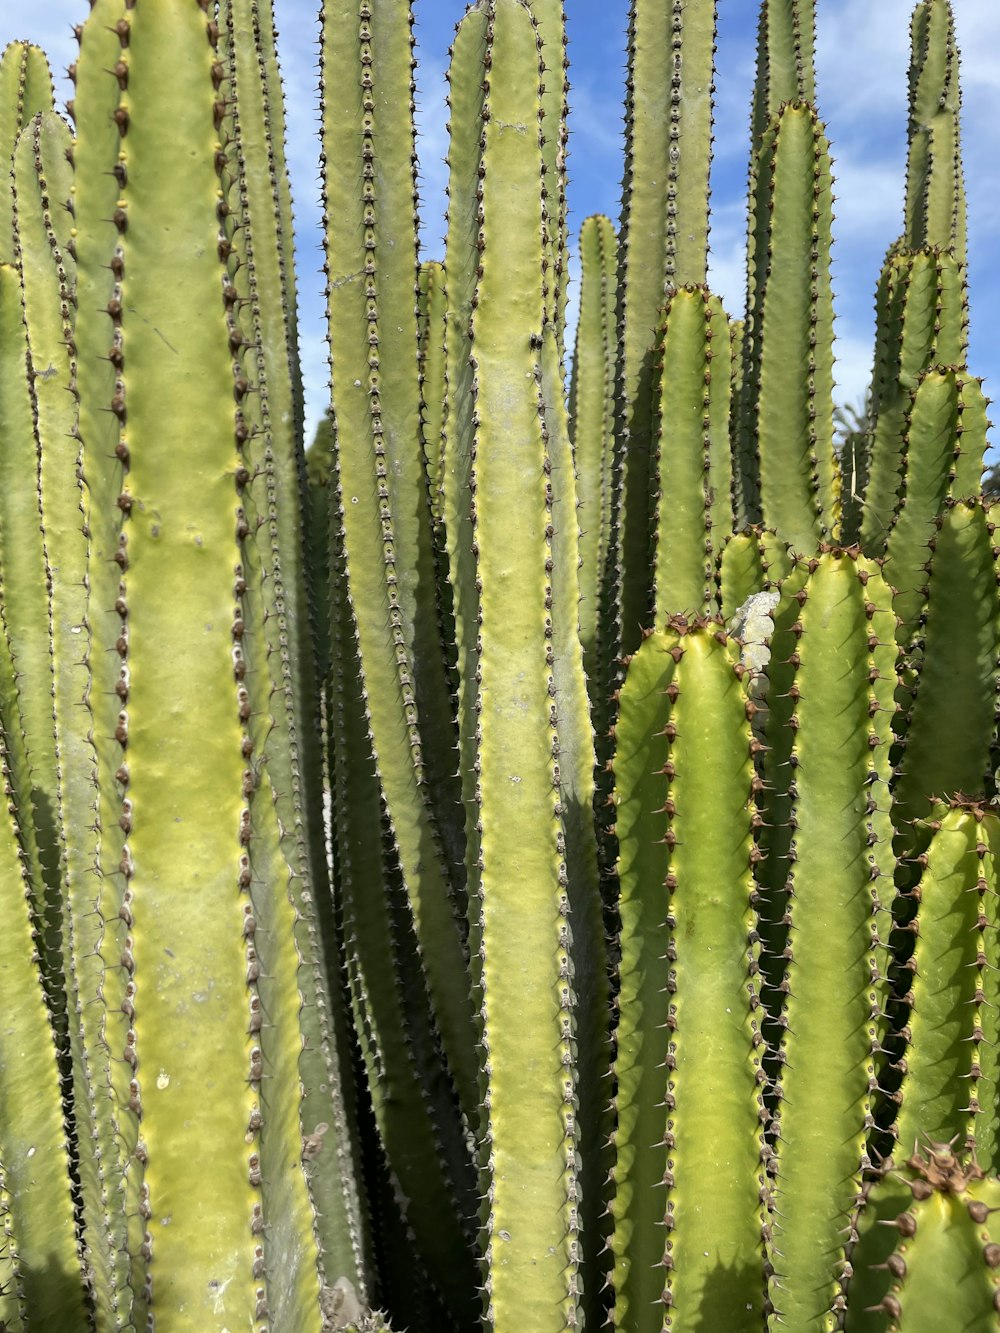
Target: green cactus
<point>926,1256</point>
<point>364,945</point>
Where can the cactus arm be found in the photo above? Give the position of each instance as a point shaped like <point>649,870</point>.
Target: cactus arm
<point>591,410</point>
<point>947,1000</point>
<point>922,314</point>
<point>926,1255</point>
<point>949,716</point>
<point>465,103</point>
<point>433,306</point>
<point>694,478</point>
<point>92,798</point>
<point>838,867</point>
<point>550,19</point>
<point>25,90</point>
<point>371,249</point>
<point>935,190</point>
<point>688,1066</point>
<point>526,992</point>
<point>663,243</point>
<point>576,775</point>
<point>789,377</point>
<point>943,449</point>
<point>786,56</point>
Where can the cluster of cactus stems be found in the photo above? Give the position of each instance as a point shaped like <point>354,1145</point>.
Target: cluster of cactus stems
<point>533,863</point>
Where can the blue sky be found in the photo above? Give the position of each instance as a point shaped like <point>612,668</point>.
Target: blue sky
<point>862,56</point>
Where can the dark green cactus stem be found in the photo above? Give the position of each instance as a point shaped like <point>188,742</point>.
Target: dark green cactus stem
<point>935,190</point>
<point>951,1009</point>
<point>826,885</point>
<point>41,1281</point>
<point>519,895</point>
<point>591,410</point>
<point>663,243</point>
<point>689,1077</point>
<point>692,465</point>
<point>25,90</point>
<point>943,445</point>
<point>784,435</point>
<point>949,691</point>
<point>929,1252</point>
<point>371,252</point>
<point>922,314</point>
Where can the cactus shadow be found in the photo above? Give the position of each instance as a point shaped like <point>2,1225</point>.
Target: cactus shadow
<point>724,1303</point>
<point>51,1288</point>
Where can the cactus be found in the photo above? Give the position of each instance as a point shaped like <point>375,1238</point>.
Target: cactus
<point>414,898</point>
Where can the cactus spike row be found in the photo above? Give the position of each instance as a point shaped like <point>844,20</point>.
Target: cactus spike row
<point>832,674</point>
<point>526,989</point>
<point>943,446</point>
<point>921,321</point>
<point>689,1002</point>
<point>784,427</point>
<point>466,93</point>
<point>663,243</point>
<point>93,800</point>
<point>949,696</point>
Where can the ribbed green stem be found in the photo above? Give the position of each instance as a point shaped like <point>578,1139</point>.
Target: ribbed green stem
<point>370,253</point>
<point>307,1041</point>
<point>591,410</point>
<point>945,730</point>
<point>943,446</point>
<point>25,90</point>
<point>949,1087</point>
<point>92,796</point>
<point>663,243</point>
<point>785,434</point>
<point>693,462</point>
<point>922,316</point>
<point>689,1177</point>
<point>935,190</point>
<point>520,891</point>
<point>550,19</point>
<point>832,674</point>
<point>465,101</point>
<point>786,56</point>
